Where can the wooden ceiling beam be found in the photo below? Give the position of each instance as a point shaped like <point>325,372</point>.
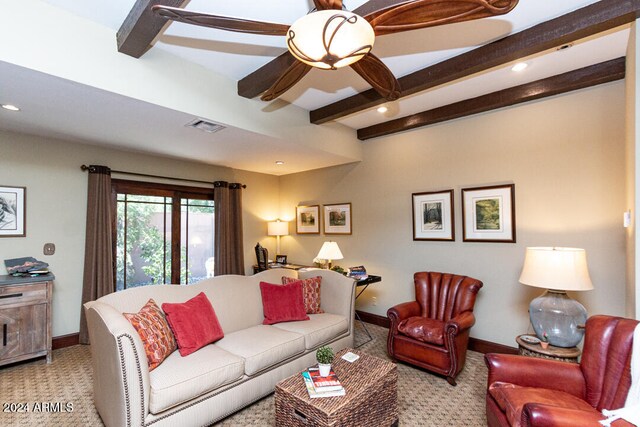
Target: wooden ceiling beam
<point>142,26</point>
<point>578,79</point>
<point>264,77</point>
<point>587,21</point>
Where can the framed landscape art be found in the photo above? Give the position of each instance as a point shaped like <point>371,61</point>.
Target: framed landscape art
<point>433,216</point>
<point>489,214</point>
<point>308,219</point>
<point>337,218</point>
<point>13,211</point>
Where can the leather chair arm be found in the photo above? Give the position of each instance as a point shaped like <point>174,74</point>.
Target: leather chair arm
<point>403,311</point>
<point>540,415</point>
<point>460,322</point>
<point>528,371</point>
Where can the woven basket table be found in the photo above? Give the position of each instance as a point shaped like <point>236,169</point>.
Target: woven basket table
<point>371,399</point>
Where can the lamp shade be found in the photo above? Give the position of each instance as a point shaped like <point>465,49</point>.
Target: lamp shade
<point>330,251</point>
<point>556,268</point>
<point>330,39</point>
<point>278,228</point>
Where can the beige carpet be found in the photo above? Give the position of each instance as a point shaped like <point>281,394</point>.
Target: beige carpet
<point>424,399</point>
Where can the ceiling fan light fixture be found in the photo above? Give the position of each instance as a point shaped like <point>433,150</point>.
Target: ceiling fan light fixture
<point>330,39</point>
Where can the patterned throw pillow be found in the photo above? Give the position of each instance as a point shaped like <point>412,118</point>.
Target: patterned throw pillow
<point>154,332</point>
<point>310,292</point>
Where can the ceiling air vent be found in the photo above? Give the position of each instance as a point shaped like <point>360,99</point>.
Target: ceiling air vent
<point>205,126</point>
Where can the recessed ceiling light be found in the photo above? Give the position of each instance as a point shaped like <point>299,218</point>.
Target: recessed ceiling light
<point>279,162</point>
<point>519,66</point>
<point>382,109</point>
<point>10,107</point>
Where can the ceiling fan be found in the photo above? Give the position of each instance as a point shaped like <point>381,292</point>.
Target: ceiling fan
<point>330,37</point>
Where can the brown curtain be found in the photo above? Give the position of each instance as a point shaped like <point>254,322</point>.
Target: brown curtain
<point>98,251</point>
<point>229,252</point>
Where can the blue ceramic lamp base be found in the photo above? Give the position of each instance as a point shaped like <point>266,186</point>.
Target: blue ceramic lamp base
<point>559,316</point>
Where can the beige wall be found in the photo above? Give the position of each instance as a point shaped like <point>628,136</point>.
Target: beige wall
<point>631,162</point>
<point>566,158</point>
<point>56,205</point>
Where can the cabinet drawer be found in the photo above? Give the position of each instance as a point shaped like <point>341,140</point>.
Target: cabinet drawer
<point>18,294</point>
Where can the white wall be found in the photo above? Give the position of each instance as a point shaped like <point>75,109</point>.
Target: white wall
<point>57,199</point>
<point>564,154</point>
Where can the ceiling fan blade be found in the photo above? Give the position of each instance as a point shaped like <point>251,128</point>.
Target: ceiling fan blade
<point>328,4</point>
<point>221,22</point>
<point>415,14</point>
<point>373,70</point>
<point>290,77</point>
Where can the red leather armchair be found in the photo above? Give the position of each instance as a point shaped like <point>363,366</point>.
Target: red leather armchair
<point>526,391</point>
<point>432,332</point>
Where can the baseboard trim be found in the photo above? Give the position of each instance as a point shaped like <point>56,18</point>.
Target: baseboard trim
<point>475,344</point>
<point>374,319</point>
<point>65,341</point>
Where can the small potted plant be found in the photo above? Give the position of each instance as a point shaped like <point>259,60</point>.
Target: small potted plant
<point>544,342</point>
<point>324,356</point>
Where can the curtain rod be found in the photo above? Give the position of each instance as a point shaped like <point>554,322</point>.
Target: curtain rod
<point>85,168</point>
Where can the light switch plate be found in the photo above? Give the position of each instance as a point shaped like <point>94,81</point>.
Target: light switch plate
<point>49,249</point>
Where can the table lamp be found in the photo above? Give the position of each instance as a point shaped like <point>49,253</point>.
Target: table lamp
<point>554,312</point>
<point>329,251</point>
<point>278,228</point>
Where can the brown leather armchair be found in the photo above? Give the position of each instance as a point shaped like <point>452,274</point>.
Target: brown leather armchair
<point>432,332</point>
<point>526,391</point>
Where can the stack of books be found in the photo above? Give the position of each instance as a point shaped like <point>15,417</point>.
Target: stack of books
<point>318,386</point>
<point>358,273</point>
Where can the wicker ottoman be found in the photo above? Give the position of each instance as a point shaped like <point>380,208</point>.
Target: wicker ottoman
<point>371,386</point>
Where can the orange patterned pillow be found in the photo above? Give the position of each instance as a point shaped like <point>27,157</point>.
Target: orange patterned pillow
<point>154,332</point>
<point>310,292</point>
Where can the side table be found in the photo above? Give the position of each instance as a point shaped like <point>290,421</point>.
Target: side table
<point>25,318</point>
<point>364,284</point>
<point>556,353</point>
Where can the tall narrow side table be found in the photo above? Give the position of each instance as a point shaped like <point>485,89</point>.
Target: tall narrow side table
<point>361,286</point>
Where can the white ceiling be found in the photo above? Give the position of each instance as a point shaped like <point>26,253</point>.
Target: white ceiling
<point>89,114</point>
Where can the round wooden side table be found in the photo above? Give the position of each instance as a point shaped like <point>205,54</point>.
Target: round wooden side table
<point>556,353</point>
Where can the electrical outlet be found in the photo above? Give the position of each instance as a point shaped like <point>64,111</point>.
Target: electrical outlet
<point>49,249</point>
<point>375,301</point>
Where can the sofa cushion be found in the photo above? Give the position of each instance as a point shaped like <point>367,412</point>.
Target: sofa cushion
<point>262,346</point>
<point>282,303</point>
<point>154,332</point>
<point>310,292</point>
<point>423,329</point>
<point>194,323</point>
<point>180,379</point>
<point>320,329</point>
<point>511,399</point>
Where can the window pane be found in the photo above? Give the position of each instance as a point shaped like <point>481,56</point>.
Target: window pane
<point>143,242</point>
<point>197,240</point>
<point>148,199</point>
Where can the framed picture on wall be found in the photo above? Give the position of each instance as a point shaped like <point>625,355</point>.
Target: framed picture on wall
<point>13,211</point>
<point>337,218</point>
<point>489,214</point>
<point>433,216</point>
<point>308,219</point>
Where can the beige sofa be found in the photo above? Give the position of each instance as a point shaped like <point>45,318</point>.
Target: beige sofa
<point>221,378</point>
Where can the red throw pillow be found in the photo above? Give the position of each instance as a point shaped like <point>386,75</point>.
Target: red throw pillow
<point>282,303</point>
<point>310,292</point>
<point>194,323</point>
<point>154,332</point>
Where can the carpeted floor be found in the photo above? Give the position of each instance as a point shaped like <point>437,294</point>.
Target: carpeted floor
<point>424,399</point>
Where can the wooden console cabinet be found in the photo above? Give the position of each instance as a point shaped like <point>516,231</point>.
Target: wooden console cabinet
<point>25,318</point>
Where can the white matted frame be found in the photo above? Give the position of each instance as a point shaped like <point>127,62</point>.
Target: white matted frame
<point>13,211</point>
<point>308,219</point>
<point>433,216</point>
<point>489,214</point>
<point>337,218</point>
